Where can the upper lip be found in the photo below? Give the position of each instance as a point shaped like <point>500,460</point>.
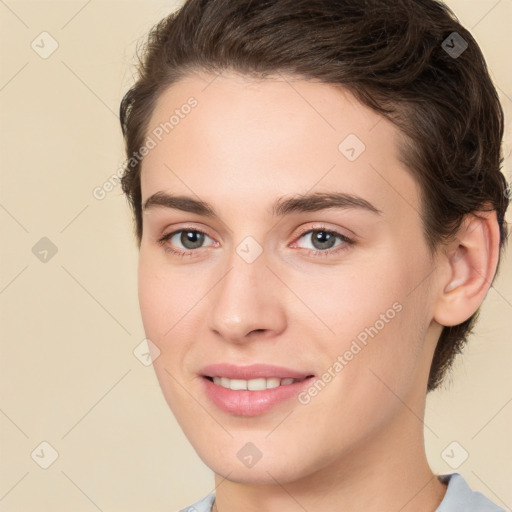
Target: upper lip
<point>253,371</point>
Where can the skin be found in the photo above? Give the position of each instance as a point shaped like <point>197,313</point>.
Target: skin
<point>358,444</point>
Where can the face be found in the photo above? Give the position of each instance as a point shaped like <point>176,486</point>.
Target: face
<point>282,240</point>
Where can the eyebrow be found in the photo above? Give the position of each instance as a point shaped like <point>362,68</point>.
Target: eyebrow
<point>283,206</point>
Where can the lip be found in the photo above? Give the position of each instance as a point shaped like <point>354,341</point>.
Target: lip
<point>253,371</point>
<point>251,403</point>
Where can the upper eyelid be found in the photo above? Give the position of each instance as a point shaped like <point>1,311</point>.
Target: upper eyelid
<point>320,228</point>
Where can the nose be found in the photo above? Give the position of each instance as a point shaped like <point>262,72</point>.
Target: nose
<point>247,302</point>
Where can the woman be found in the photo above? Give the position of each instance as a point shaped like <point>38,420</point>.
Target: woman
<point>319,209</point>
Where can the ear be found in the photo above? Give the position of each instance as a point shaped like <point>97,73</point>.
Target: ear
<point>470,262</point>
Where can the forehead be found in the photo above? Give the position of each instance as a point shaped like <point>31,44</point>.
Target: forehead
<point>255,140</point>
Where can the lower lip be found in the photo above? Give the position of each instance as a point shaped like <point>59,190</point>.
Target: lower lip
<point>251,403</point>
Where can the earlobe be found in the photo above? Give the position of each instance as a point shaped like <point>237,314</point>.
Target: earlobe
<point>472,261</point>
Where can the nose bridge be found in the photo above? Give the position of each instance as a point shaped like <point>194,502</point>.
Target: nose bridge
<point>243,301</point>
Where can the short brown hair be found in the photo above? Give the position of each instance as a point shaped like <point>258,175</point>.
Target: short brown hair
<point>392,55</point>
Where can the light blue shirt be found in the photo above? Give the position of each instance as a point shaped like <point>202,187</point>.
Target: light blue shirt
<point>458,498</point>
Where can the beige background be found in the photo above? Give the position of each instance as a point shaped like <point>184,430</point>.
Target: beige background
<point>68,374</point>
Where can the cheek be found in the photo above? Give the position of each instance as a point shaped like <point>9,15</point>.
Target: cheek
<point>164,303</point>
<point>351,300</point>
<point>153,300</point>
<point>165,297</point>
<point>378,325</point>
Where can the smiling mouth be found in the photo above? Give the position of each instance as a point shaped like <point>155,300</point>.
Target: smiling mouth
<point>258,384</point>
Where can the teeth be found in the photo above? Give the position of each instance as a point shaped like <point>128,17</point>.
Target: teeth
<point>253,384</point>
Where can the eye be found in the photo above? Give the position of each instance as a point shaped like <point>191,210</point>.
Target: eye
<point>323,240</point>
<point>190,239</point>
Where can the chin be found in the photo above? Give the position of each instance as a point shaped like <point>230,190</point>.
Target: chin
<point>262,472</point>
<point>252,475</point>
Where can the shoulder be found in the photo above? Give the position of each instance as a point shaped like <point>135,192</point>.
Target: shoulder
<point>460,498</point>
<point>203,505</point>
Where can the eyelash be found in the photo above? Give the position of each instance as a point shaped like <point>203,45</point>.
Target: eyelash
<point>347,242</point>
